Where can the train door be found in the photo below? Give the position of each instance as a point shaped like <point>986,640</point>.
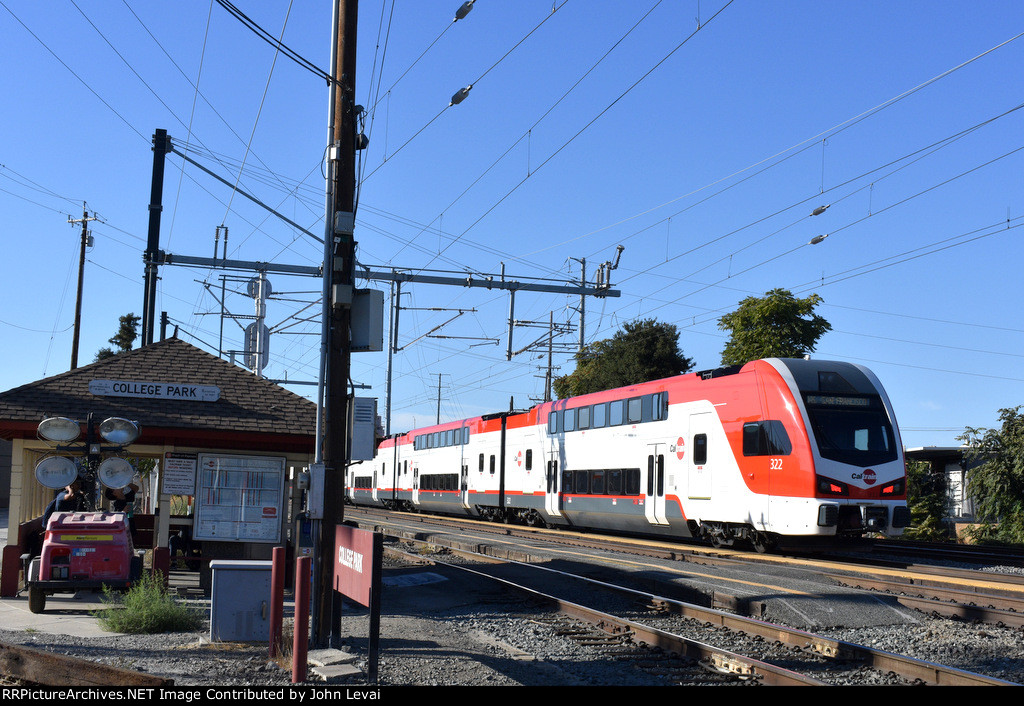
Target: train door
<point>698,468</point>
<point>654,505</point>
<point>464,483</point>
<point>552,486</point>
<point>415,494</point>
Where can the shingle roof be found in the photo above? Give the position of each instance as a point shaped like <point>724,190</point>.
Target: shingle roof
<point>246,404</point>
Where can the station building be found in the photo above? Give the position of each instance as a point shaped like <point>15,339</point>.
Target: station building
<point>217,460</point>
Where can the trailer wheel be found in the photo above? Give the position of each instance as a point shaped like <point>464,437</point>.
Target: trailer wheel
<point>36,599</point>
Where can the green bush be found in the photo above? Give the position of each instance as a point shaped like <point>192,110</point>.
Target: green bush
<point>147,608</point>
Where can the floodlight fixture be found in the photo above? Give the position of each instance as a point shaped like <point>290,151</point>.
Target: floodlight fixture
<point>56,472</point>
<point>59,429</point>
<point>115,472</point>
<point>119,431</point>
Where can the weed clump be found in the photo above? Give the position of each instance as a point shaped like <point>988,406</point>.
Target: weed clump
<point>147,608</point>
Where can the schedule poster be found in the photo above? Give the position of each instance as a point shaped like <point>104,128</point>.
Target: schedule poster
<point>239,498</point>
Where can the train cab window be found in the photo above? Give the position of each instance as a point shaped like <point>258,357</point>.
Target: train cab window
<point>700,449</point>
<point>583,418</point>
<point>634,410</point>
<point>766,438</point>
<point>569,420</point>
<point>616,412</point>
<point>529,459</point>
<point>492,464</point>
<point>600,416</point>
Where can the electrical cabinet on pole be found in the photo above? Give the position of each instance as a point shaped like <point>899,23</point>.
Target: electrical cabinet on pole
<point>341,269</point>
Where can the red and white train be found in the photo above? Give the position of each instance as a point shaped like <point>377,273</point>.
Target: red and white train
<point>777,451</point>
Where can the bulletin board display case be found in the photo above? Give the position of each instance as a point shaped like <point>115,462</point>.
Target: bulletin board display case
<point>239,498</point>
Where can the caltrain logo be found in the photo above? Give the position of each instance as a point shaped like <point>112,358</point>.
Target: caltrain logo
<point>868,476</point>
<point>680,451</point>
<point>519,458</point>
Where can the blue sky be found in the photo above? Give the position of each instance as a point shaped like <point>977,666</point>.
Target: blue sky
<point>699,135</point>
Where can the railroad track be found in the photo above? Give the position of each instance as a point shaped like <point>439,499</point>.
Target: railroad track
<point>675,639</point>
<point>651,638</point>
<point>954,592</point>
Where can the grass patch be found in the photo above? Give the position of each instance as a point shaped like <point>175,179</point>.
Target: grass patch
<point>147,608</point>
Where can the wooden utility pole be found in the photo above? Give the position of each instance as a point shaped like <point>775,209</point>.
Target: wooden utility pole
<point>342,278</point>
<point>81,282</point>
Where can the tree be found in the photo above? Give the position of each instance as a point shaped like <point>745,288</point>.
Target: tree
<point>641,351</point>
<point>126,334</point>
<point>997,483</point>
<point>926,498</point>
<point>777,325</point>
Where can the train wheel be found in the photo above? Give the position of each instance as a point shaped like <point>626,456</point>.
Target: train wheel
<point>762,542</point>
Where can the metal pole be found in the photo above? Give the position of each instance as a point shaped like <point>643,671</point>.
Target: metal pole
<point>161,146</point>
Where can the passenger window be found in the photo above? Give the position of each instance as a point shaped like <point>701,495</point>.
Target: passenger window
<point>635,410</point>
<point>700,449</point>
<point>659,408</point>
<point>597,482</point>
<point>553,423</point>
<point>600,416</point>
<point>632,481</point>
<point>582,482</point>
<point>616,410</point>
<point>583,417</point>
<point>615,482</point>
<point>569,420</point>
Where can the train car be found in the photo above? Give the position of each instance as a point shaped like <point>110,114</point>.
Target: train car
<point>775,451</point>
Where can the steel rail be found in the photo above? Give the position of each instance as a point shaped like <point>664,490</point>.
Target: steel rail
<point>722,660</point>
<point>908,667</point>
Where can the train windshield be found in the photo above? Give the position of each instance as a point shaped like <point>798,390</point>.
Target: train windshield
<point>852,429</point>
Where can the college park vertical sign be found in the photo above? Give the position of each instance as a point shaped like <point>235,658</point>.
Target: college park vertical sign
<point>357,574</point>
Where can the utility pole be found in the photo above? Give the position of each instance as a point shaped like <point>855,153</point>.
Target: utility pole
<point>161,146</point>
<point>81,281</point>
<point>341,269</point>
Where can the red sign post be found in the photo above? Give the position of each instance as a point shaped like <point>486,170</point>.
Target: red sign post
<point>357,575</point>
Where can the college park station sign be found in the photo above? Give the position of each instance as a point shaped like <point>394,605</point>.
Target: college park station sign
<point>154,390</point>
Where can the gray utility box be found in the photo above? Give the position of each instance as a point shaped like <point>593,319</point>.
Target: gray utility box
<point>240,601</point>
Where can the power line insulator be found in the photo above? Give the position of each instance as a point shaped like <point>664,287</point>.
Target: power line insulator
<point>460,95</point>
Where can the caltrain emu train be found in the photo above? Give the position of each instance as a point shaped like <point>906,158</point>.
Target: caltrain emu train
<point>774,452</point>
